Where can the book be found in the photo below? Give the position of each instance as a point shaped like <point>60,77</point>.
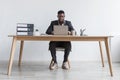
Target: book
<point>21,24</point>
<point>29,29</point>
<point>22,29</point>
<point>25,33</point>
<point>22,33</point>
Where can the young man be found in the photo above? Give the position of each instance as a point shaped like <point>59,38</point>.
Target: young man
<point>65,44</point>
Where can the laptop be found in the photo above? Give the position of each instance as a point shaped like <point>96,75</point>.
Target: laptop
<point>60,30</point>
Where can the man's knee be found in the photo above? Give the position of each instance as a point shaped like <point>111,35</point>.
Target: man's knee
<point>52,45</point>
<point>68,46</point>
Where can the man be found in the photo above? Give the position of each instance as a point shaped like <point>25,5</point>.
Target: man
<point>65,44</point>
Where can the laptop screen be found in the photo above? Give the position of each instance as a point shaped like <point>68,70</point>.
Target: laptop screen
<point>60,30</point>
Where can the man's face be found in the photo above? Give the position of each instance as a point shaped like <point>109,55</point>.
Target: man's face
<point>61,17</point>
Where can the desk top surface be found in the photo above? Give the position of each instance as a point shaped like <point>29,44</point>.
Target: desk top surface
<point>56,36</point>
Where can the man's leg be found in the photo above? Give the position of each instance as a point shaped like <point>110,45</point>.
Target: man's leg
<point>52,48</point>
<point>67,46</point>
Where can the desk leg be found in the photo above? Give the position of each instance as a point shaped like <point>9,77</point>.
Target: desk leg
<point>108,56</point>
<point>21,52</point>
<point>12,55</point>
<point>101,52</point>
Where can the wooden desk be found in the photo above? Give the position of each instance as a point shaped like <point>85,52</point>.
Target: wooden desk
<point>58,38</point>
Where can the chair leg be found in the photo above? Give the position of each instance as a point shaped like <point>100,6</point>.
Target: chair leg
<point>69,63</point>
<point>50,63</point>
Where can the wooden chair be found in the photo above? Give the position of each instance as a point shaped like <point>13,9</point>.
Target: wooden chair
<point>61,49</point>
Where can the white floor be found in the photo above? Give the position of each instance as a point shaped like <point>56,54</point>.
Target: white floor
<point>78,71</point>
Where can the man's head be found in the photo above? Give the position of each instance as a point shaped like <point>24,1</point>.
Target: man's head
<point>61,15</point>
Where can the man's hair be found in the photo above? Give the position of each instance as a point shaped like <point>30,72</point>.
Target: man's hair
<point>61,12</point>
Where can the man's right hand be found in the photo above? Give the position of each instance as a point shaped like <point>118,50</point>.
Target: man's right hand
<point>52,32</point>
<point>69,33</point>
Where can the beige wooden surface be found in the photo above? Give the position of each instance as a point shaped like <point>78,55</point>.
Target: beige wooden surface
<point>58,38</point>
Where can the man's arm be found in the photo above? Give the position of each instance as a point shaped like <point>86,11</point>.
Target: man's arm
<point>70,26</point>
<point>50,29</point>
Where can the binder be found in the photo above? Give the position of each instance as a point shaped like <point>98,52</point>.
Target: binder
<point>25,29</point>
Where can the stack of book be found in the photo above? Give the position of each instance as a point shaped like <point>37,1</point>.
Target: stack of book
<point>25,29</point>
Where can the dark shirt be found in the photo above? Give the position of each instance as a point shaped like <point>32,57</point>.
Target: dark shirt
<point>66,23</point>
<point>50,30</point>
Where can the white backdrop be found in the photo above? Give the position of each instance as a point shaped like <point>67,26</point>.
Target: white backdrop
<point>100,17</point>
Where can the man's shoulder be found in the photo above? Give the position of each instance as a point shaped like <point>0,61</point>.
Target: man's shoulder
<point>67,21</point>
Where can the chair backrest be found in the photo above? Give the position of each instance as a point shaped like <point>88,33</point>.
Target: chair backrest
<point>60,49</point>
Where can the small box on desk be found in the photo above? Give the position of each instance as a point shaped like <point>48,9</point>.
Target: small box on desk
<point>25,29</point>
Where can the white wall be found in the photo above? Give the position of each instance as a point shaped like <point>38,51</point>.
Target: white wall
<point>100,17</point>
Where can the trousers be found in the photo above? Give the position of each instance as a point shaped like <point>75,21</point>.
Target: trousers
<point>64,44</point>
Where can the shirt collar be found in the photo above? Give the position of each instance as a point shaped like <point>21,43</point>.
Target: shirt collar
<point>63,23</point>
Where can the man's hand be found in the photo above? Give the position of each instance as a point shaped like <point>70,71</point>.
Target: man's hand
<point>69,33</point>
<point>52,32</point>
